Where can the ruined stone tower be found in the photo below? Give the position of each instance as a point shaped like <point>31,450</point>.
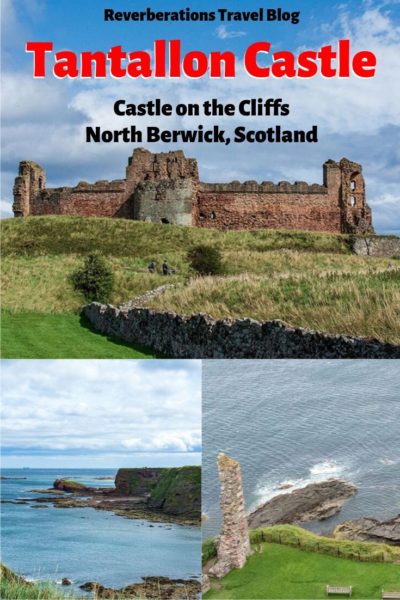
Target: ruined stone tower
<point>28,185</point>
<point>165,188</point>
<point>233,543</point>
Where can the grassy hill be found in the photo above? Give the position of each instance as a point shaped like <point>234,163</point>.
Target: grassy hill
<point>307,279</point>
<point>302,564</point>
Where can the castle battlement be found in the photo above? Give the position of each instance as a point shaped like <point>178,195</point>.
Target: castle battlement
<point>165,188</point>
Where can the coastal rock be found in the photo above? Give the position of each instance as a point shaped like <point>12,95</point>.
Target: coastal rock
<point>154,494</point>
<point>66,581</point>
<point>66,485</point>
<point>370,530</point>
<point>150,588</point>
<point>315,502</point>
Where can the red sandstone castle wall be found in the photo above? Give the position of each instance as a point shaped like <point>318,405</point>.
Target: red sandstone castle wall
<point>165,188</point>
<point>102,199</point>
<point>252,210</point>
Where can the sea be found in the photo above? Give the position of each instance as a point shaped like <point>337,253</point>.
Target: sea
<point>84,544</point>
<point>295,422</point>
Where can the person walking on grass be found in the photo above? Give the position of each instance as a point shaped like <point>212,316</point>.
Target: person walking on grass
<point>165,268</point>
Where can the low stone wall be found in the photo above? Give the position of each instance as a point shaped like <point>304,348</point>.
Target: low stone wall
<point>201,336</point>
<point>376,246</point>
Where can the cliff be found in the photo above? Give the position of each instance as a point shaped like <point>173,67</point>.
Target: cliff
<point>175,491</point>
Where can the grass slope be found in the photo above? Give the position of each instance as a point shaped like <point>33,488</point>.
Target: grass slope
<point>280,572</point>
<point>307,279</point>
<point>30,335</point>
<point>14,587</point>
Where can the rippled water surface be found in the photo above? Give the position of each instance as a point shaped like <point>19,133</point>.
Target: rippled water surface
<point>299,422</point>
<point>84,544</point>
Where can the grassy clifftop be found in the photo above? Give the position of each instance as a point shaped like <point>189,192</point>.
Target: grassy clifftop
<point>289,562</point>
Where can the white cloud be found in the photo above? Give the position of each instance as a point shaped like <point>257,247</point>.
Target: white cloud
<point>355,118</point>
<point>223,33</point>
<point>101,407</point>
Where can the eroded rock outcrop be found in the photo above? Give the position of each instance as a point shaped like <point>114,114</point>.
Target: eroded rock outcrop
<point>315,502</point>
<point>370,530</point>
<point>233,544</point>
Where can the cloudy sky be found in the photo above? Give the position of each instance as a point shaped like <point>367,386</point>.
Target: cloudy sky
<point>100,413</point>
<point>45,120</point>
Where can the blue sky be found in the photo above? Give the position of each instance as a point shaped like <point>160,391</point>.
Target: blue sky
<point>100,413</point>
<point>45,120</point>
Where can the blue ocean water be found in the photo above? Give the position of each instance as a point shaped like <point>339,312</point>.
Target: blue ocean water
<point>84,544</point>
<point>303,421</point>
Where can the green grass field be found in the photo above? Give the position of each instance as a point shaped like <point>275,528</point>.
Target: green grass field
<point>279,572</point>
<point>30,335</point>
<point>310,280</point>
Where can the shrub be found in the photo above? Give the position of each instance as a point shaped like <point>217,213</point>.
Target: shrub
<point>209,550</point>
<point>95,279</point>
<point>205,260</point>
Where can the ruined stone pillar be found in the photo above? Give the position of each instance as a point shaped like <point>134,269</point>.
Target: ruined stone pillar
<point>233,545</point>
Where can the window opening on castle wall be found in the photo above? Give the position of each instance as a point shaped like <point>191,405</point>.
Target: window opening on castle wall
<point>213,216</point>
<point>353,200</point>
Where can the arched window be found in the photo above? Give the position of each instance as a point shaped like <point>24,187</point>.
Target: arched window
<point>213,216</point>
<point>353,200</point>
<point>353,185</point>
<point>202,216</point>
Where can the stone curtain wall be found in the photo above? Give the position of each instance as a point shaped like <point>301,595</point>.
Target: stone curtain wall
<point>254,206</point>
<point>233,544</point>
<point>102,199</point>
<point>201,336</point>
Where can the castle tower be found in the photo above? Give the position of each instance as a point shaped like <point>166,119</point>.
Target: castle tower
<point>233,543</point>
<point>30,182</point>
<point>162,187</point>
<point>345,181</point>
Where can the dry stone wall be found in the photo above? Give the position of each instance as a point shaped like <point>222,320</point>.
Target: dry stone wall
<point>376,246</point>
<point>201,336</point>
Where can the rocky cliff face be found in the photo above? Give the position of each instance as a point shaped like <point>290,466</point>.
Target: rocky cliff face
<point>175,491</point>
<point>137,482</point>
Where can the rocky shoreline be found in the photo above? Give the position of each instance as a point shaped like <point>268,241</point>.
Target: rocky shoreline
<point>151,588</point>
<point>368,529</point>
<point>320,501</point>
<point>70,494</point>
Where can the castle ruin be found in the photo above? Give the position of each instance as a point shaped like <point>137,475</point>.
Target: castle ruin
<point>233,545</point>
<point>165,188</point>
